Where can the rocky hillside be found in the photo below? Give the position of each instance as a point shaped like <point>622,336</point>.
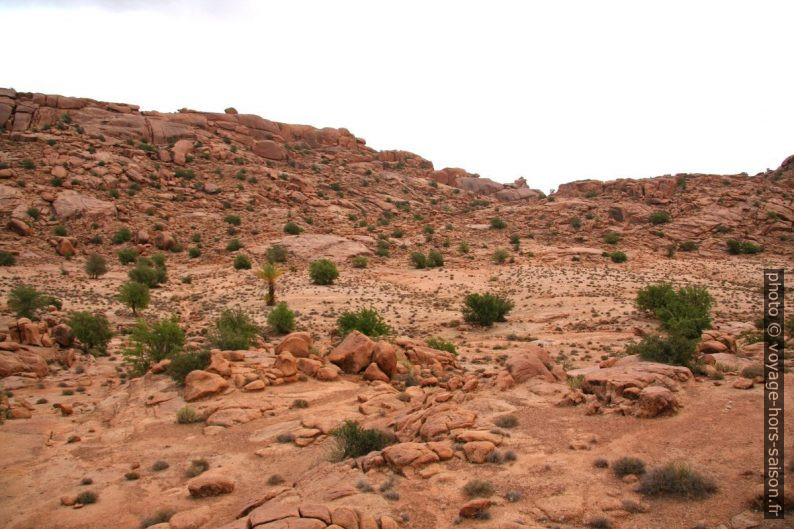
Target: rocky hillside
<point>471,360</point>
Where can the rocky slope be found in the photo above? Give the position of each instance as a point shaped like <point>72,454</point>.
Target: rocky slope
<point>532,408</point>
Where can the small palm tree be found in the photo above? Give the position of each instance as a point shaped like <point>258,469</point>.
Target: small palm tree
<point>269,272</point>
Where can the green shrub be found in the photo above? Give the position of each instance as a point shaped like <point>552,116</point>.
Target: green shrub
<point>674,349</point>
<point>659,217</point>
<point>354,441</point>
<point>323,272</point>
<point>419,260</point>
<point>365,321</point>
<point>233,330</point>
<point>676,479</point>
<point>183,363</point>
<point>187,415</point>
<point>486,309</point>
<point>60,231</point>
<point>478,488</point>
<point>360,261</point>
<point>688,246</point>
<point>151,343</point>
<point>242,262</point>
<point>628,465</point>
<point>612,238</point>
<point>24,301</point>
<point>135,295</point>
<point>576,223</point>
<point>500,256</point>
<point>127,255</point>
<point>87,497</point>
<point>93,331</point>
<point>281,319</point>
<point>685,311</point>
<point>742,247</point>
<point>234,220</point>
<point>194,252</point>
<point>95,266</point>
<point>291,228</point>
<point>7,259</point>
<point>28,164</point>
<point>442,345</point>
<point>34,213</point>
<point>233,245</point>
<point>618,257</point>
<point>498,224</point>
<point>463,247</point>
<point>434,259</point>
<point>276,254</point>
<point>123,235</point>
<point>148,273</point>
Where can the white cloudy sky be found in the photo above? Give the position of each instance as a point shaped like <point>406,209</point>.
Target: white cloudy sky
<point>551,90</point>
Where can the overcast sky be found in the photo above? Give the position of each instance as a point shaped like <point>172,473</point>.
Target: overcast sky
<point>553,90</point>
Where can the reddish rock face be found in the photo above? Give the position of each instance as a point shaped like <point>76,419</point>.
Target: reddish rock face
<point>200,384</point>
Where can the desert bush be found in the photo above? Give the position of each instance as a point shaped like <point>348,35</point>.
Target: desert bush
<point>360,261</point>
<point>197,467</point>
<point>291,228</point>
<point>233,245</point>
<point>674,349</point>
<point>233,330</point>
<point>150,272</point>
<point>354,441</point>
<point>276,254</point>
<point>7,259</point>
<point>160,517</point>
<point>688,246</point>
<point>463,247</point>
<point>599,522</point>
<point>676,479</point>
<point>234,220</point>
<point>498,224</point>
<point>365,321</point>
<point>281,319</point>
<point>187,415</point>
<point>612,238</point>
<point>434,259</point>
<point>753,371</point>
<point>601,463</point>
<point>576,223</point>
<point>87,497</point>
<point>419,260</point>
<point>24,301</point>
<point>95,266</point>
<point>194,252</point>
<point>323,272</point>
<point>628,465</point>
<point>684,311</point>
<point>135,295</point>
<point>242,262</point>
<point>486,309</point>
<point>122,235</point>
<point>183,363</point>
<point>150,343</point>
<point>60,231</point>
<point>742,247</point>
<point>659,217</point>
<point>93,331</point>
<point>299,404</point>
<point>160,465</point>
<point>506,421</point>
<point>127,255</point>
<point>618,257</point>
<point>442,345</point>
<point>500,256</point>
<point>478,488</point>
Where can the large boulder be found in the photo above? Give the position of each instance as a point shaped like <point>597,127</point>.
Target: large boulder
<point>354,353</point>
<point>200,384</point>
<point>21,361</point>
<point>316,245</point>
<point>71,204</point>
<point>656,400</point>
<point>270,150</point>
<point>533,362</point>
<point>209,485</point>
<point>298,344</point>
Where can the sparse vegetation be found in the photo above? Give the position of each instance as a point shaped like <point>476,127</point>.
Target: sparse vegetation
<point>269,273</point>
<point>659,217</point>
<point>93,331</point>
<point>323,272</point>
<point>150,343</point>
<point>183,363</point>
<point>478,488</point>
<point>366,321</point>
<point>281,319</point>
<point>291,228</point>
<point>498,224</point>
<point>442,345</point>
<point>354,441</point>
<point>233,330</point>
<point>242,262</point>
<point>25,301</point>
<point>676,479</point>
<point>628,465</point>
<point>7,258</point>
<point>742,247</point>
<point>486,309</point>
<point>135,295</point>
<point>95,266</point>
